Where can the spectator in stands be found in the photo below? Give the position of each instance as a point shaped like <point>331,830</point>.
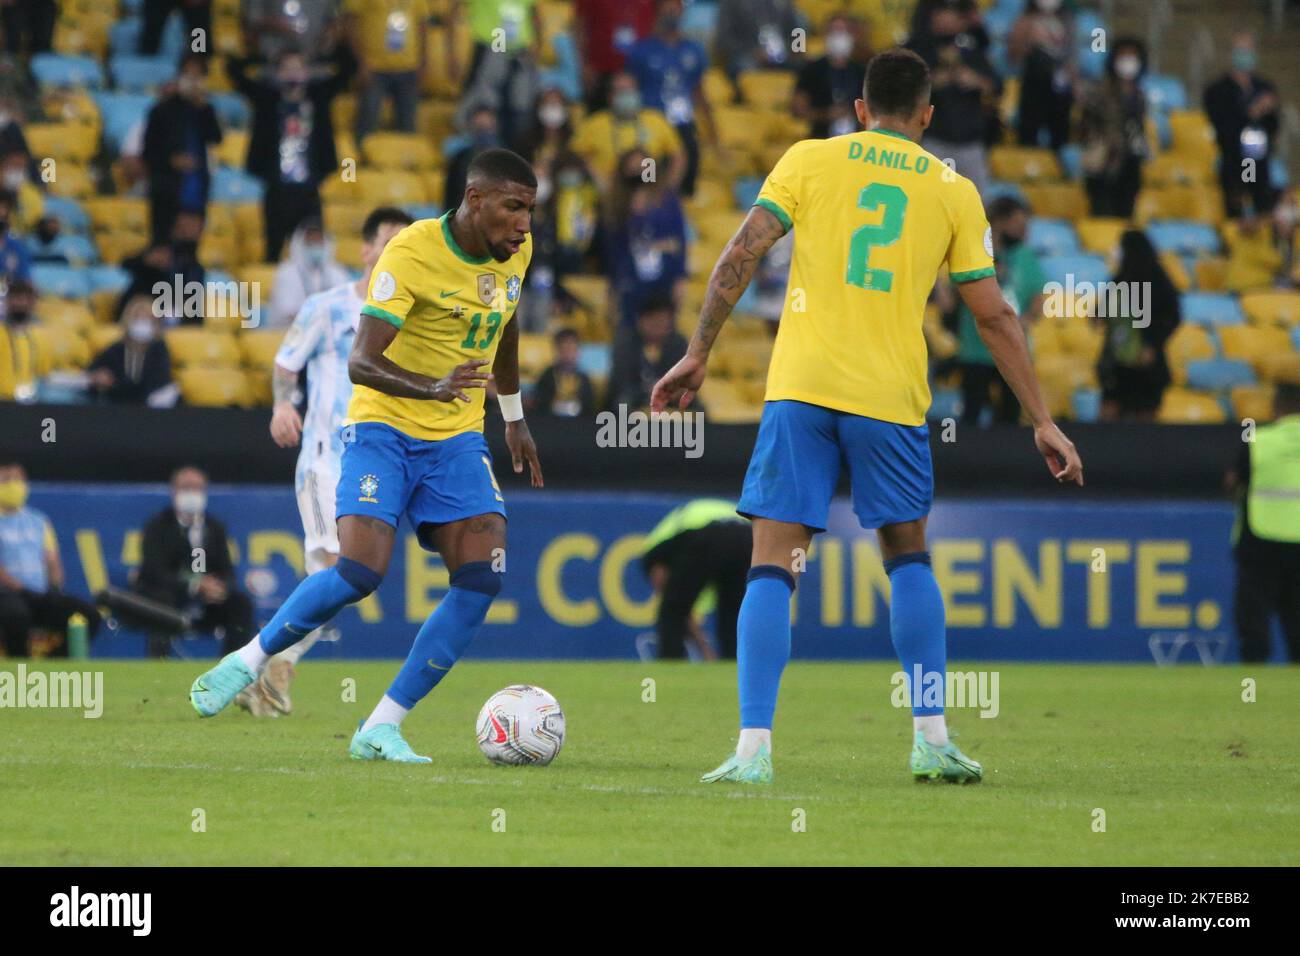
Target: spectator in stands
<point>669,70</point>
<point>154,264</point>
<point>310,267</point>
<point>1244,109</point>
<point>1261,250</point>
<point>19,354</point>
<point>19,303</point>
<point>291,149</point>
<point>31,574</point>
<point>130,172</point>
<point>181,127</point>
<point>388,40</point>
<point>605,31</point>
<point>44,244</point>
<point>603,137</point>
<point>273,27</point>
<point>195,15</point>
<point>643,353</point>
<point>963,88</point>
<point>483,132</point>
<point>755,35</point>
<point>564,390</point>
<point>185,562</point>
<point>1133,369</point>
<point>15,176</point>
<point>15,260</point>
<point>973,31</point>
<point>829,85</point>
<point>1267,531</point>
<point>136,369</point>
<point>1021,278</point>
<point>645,240</point>
<point>12,118</point>
<point>1040,47</point>
<point>503,71</point>
<point>1113,131</point>
<point>28,25</point>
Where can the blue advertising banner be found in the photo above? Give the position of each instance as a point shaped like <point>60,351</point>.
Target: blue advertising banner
<point>1021,581</point>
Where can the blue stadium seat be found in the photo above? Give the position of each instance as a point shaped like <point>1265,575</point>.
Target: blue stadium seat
<point>1000,187</point>
<point>1164,93</point>
<point>1053,237</point>
<point>78,250</point>
<point>745,190</point>
<point>699,21</point>
<point>235,185</point>
<point>232,110</point>
<point>69,282</point>
<point>1085,404</point>
<point>1278,176</point>
<point>120,112</point>
<point>1091,63</point>
<point>1295,337</point>
<point>1211,309</point>
<point>1071,158</point>
<point>57,70</point>
<point>1084,268</point>
<point>124,36</point>
<point>140,74</point>
<point>1183,237</point>
<point>1219,374</point>
<point>112,278</point>
<point>427,210</point>
<point>998,19</point>
<point>945,403</point>
<point>594,359</point>
<point>73,218</point>
<point>566,75</point>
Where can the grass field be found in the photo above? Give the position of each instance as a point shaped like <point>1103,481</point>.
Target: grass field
<point>1186,772</point>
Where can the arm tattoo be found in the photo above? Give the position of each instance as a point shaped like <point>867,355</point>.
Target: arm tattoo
<point>283,384</point>
<point>733,272</point>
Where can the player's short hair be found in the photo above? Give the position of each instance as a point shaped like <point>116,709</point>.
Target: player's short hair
<point>656,302</point>
<point>501,166</point>
<point>383,216</point>
<point>1004,207</point>
<point>898,81</point>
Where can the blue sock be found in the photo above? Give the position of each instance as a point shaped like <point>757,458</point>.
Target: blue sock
<point>763,642</point>
<point>916,626</point>
<point>448,631</point>
<point>315,600</point>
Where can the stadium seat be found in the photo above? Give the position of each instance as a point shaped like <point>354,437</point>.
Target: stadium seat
<point>1280,367</point>
<point>998,188</point>
<point>260,276</point>
<point>1188,343</point>
<point>258,348</point>
<point>1252,343</point>
<point>120,112</point>
<point>1211,274</point>
<point>409,151</point>
<point>232,151</point>
<point>60,347</point>
<point>1023,164</point>
<point>535,354</point>
<point>235,186</point>
<point>124,35</point>
<point>65,142</point>
<point>1186,407</point>
<point>73,182</point>
<point>1219,374</point>
<point>1164,93</point>
<point>54,69</point>
<point>101,336</point>
<point>767,89</point>
<point>1059,200</point>
<point>215,387</point>
<point>1281,307</point>
<point>67,282</point>
<point>141,74</point>
<point>79,251</point>
<point>1084,268</point>
<point>390,187</point>
<point>1177,270</point>
<point>72,218</point>
<point>232,110</point>
<point>1211,309</point>
<point>1053,237</point>
<point>1180,202</point>
<point>740,128</point>
<point>1178,169</point>
<point>1191,132</point>
<point>191,346</point>
<point>1081,338</point>
<point>72,314</point>
<point>1183,237</point>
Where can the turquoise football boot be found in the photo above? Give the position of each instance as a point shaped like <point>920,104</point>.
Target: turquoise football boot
<point>942,763</point>
<point>215,689</point>
<point>383,742</point>
<point>756,769</point>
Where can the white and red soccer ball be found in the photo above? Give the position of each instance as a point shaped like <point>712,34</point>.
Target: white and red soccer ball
<point>521,724</point>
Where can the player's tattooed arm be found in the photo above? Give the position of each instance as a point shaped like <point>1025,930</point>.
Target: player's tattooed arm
<point>732,274</point>
<point>368,366</point>
<point>286,423</point>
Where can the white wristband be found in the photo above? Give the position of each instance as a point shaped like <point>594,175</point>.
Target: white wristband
<point>512,407</point>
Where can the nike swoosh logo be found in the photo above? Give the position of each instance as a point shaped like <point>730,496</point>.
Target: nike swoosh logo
<point>443,295</point>
<point>501,731</point>
<point>437,667</point>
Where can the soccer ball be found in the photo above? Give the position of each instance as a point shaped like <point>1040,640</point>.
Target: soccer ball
<point>521,724</point>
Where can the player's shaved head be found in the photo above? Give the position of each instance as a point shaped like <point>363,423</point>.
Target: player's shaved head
<point>500,191</point>
<point>496,167</point>
<point>897,84</point>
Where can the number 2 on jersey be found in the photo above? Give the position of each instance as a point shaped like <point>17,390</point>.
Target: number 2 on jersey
<point>886,233</point>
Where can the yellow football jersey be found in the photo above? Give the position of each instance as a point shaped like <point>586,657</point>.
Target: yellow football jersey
<point>449,307</point>
<point>875,216</point>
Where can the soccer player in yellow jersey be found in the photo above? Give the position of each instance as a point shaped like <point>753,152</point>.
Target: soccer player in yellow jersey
<point>875,218</point>
<point>437,317</point>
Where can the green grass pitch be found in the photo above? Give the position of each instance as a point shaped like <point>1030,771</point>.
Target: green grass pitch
<point>1184,770</point>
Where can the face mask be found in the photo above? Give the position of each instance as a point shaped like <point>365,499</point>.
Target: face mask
<point>139,330</point>
<point>552,115</point>
<point>1049,6</point>
<point>627,103</point>
<point>568,178</point>
<point>191,502</point>
<point>13,494</point>
<point>187,86</point>
<point>1010,241</point>
<point>1243,60</point>
<point>839,44</point>
<point>543,188</point>
<point>14,178</point>
<point>1128,67</point>
<point>314,256</point>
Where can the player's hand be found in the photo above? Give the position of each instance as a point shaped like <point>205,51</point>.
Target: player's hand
<point>463,376</point>
<point>1062,459</point>
<point>523,449</point>
<point>286,425</point>
<point>679,384</point>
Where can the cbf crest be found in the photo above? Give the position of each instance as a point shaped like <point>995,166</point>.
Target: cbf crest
<point>369,488</point>
<point>487,287</point>
<point>512,288</point>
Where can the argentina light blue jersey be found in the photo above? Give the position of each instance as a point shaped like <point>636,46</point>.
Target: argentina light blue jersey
<point>319,340</point>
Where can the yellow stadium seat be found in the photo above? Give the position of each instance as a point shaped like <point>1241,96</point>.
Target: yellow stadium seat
<point>220,251</point>
<point>261,392</point>
<point>1264,308</point>
<point>1212,273</point>
<point>1045,339</point>
<point>1101,234</point>
<point>70,106</point>
<point>73,182</point>
<point>1252,343</point>
<point>717,88</point>
<point>347,249</point>
<point>1059,200</point>
<point>1178,169</point>
<point>591,293</point>
<point>233,149</point>
<point>535,354</point>
<point>1252,401</point>
<point>102,336</point>
<point>767,89</point>
<point>740,128</point>
<point>67,313</point>
<point>60,347</point>
<point>1081,338</point>
<point>118,214</point>
<point>1191,132</point>
<point>1177,270</point>
<point>116,246</point>
<point>65,142</point>
<point>727,403</point>
<point>215,387</point>
<point>435,185</point>
<point>258,348</point>
<point>344,218</point>
<point>1186,406</point>
<point>435,119</point>
<point>191,346</point>
<point>1024,164</point>
<point>399,151</point>
<point>260,276</point>
<point>1189,343</point>
<point>717,227</point>
<point>744,358</point>
<point>390,187</point>
<point>104,304</point>
<point>1180,202</point>
<point>1280,367</point>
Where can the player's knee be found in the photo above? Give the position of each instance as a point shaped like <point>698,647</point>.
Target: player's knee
<point>478,576</point>
<point>360,578</point>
